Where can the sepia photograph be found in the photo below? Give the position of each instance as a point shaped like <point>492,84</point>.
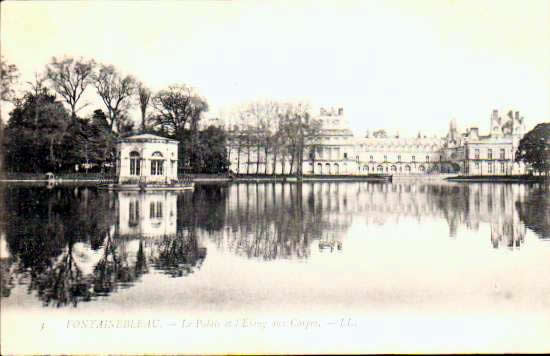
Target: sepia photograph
<point>274,177</point>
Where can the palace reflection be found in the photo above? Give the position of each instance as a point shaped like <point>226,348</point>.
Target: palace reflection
<point>66,245</point>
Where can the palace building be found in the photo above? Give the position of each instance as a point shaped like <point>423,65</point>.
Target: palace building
<point>339,152</point>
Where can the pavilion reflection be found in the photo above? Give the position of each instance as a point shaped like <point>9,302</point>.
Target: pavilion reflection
<point>126,236</point>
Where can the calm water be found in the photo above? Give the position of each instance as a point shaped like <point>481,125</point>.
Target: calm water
<point>372,251</point>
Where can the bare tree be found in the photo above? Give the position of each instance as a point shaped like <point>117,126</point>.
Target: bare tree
<point>115,91</point>
<point>69,78</point>
<point>144,96</point>
<point>178,106</point>
<point>299,130</point>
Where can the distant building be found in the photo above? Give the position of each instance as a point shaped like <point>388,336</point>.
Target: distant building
<point>339,152</point>
<point>494,153</point>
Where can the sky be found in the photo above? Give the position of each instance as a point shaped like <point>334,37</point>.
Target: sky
<point>396,64</point>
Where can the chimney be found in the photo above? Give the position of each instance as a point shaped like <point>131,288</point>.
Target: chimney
<point>340,111</point>
<point>474,132</point>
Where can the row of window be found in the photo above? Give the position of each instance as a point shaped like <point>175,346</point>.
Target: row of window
<point>490,167</point>
<point>502,153</point>
<point>155,211</point>
<point>413,158</point>
<point>157,167</point>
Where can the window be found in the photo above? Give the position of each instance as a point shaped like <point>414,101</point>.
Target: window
<point>135,164</point>
<point>413,158</point>
<point>502,153</point>
<point>371,158</point>
<point>490,153</point>
<point>502,167</point>
<point>476,153</point>
<point>490,167</point>
<point>440,158</point>
<point>385,158</point>
<point>477,165</point>
<point>427,158</point>
<point>380,169</point>
<point>155,210</point>
<point>157,165</point>
<point>399,158</point>
<point>345,155</point>
<point>133,213</point>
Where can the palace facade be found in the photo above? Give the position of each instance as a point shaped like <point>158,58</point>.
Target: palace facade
<point>339,152</point>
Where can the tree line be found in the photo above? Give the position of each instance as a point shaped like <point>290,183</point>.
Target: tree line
<point>45,132</point>
<point>269,133</point>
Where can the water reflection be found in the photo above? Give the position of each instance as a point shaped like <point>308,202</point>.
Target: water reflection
<point>73,245</point>
<point>67,245</point>
<point>275,221</point>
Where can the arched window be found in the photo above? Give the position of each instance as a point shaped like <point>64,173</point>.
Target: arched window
<point>319,168</point>
<point>327,168</point>
<point>380,168</point>
<point>157,164</point>
<point>336,168</point>
<point>407,168</point>
<point>365,168</point>
<point>422,168</point>
<point>393,168</point>
<point>135,163</point>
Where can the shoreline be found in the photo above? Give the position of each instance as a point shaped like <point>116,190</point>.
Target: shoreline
<point>204,179</point>
<point>497,179</point>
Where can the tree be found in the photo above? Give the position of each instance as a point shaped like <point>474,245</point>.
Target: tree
<point>36,132</point>
<point>534,148</point>
<point>261,116</point>
<point>115,91</point>
<point>177,106</point>
<point>69,78</point>
<point>382,134</point>
<point>8,76</point>
<point>300,130</point>
<point>144,96</point>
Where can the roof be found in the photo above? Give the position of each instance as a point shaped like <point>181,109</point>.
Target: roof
<point>146,138</point>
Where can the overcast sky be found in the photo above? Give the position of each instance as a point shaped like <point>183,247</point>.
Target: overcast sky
<point>409,65</point>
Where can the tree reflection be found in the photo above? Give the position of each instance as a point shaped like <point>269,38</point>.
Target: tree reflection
<point>534,210</point>
<point>67,246</point>
<point>272,221</point>
<point>177,255</point>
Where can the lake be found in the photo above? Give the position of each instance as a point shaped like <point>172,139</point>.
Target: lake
<point>408,266</point>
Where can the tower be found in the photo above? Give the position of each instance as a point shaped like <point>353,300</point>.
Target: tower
<point>496,124</point>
